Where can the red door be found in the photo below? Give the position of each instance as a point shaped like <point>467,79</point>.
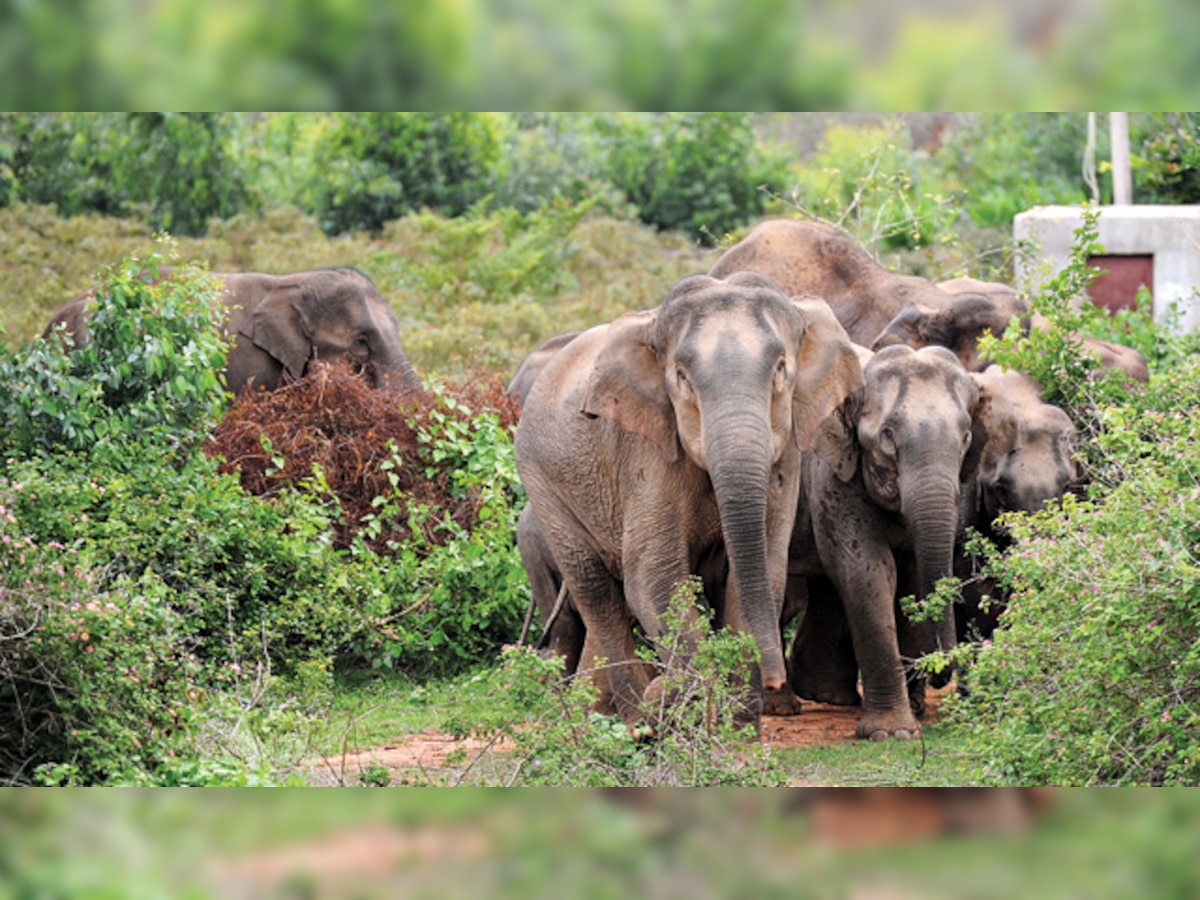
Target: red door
<point>1118,287</point>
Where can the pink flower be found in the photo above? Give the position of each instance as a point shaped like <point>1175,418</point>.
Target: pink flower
<point>1166,716</point>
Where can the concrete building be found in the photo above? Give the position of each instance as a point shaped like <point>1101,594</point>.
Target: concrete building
<point>1158,246</point>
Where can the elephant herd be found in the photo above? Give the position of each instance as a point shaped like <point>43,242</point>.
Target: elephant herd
<point>806,431</point>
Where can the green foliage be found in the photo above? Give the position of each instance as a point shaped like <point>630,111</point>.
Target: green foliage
<point>458,593</point>
<point>1171,161</point>
<point>175,170</point>
<point>700,173</point>
<point>1005,163</point>
<point>1112,576</point>
<point>690,738</point>
<point>147,370</point>
<point>865,181</point>
<point>376,167</point>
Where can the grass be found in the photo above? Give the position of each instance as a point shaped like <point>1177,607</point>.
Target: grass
<point>457,313</point>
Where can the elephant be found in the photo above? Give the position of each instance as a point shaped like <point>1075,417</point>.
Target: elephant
<point>877,519</point>
<point>1027,462</point>
<point>522,380</point>
<point>648,441</point>
<point>813,258</point>
<point>279,323</point>
<point>979,306</point>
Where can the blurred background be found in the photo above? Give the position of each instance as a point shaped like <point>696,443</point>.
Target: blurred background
<point>544,843</point>
<point>540,54</point>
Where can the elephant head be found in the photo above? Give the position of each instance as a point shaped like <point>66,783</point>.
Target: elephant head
<point>281,323</point>
<point>730,378</point>
<point>976,307</point>
<point>813,258</point>
<point>1028,459</point>
<point>973,309</point>
<point>914,435</point>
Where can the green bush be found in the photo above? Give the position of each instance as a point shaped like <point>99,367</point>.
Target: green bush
<point>1170,168</point>
<point>184,585</point>
<point>1112,577</point>
<point>865,181</point>
<point>148,370</point>
<point>699,173</point>
<point>376,167</point>
<point>1005,163</point>
<point>693,738</point>
<point>174,170</point>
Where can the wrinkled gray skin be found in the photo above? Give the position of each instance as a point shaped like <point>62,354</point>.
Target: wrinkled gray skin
<point>877,520</point>
<point>279,323</point>
<point>975,308</point>
<point>1027,462</point>
<point>532,365</point>
<point>980,306</point>
<point>812,258</point>
<point>646,442</point>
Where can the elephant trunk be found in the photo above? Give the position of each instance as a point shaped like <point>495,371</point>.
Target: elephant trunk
<point>397,374</point>
<point>930,510</point>
<point>738,456</point>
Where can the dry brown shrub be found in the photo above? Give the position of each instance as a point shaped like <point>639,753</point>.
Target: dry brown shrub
<point>334,419</point>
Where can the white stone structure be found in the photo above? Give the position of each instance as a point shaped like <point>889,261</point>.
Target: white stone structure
<point>1171,234</point>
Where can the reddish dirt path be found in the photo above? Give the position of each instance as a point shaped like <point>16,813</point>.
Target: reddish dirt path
<point>818,725</point>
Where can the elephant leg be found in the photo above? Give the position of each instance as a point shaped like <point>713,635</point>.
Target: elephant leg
<point>609,630</point>
<point>866,582</point>
<point>785,702</point>
<point>911,641</point>
<point>822,662</point>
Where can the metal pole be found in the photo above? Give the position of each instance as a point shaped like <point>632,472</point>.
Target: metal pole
<point>1118,126</point>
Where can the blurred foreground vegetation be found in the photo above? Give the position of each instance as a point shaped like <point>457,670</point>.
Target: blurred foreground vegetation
<point>1129,844</point>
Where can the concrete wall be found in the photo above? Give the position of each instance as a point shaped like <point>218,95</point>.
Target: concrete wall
<point>1170,233</point>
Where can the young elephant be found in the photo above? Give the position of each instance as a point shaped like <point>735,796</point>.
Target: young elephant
<point>279,323</point>
<point>877,520</point>
<point>646,442</point>
<point>1027,462</point>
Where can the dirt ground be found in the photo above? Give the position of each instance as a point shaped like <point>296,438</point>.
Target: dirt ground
<point>414,755</point>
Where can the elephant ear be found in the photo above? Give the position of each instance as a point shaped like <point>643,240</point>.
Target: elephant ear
<point>279,326</point>
<point>836,440</point>
<point>984,421</point>
<point>907,327</point>
<point>827,369</point>
<point>627,384</point>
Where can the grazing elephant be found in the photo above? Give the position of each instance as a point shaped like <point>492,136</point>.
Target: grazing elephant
<point>1027,462</point>
<point>980,306</point>
<point>532,365</point>
<point>877,520</point>
<point>279,323</point>
<point>812,258</point>
<point>648,441</point>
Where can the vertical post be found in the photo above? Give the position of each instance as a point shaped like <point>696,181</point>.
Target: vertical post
<point>1118,125</point>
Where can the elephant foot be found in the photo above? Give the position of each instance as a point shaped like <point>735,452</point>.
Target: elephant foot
<point>782,702</point>
<point>879,725</point>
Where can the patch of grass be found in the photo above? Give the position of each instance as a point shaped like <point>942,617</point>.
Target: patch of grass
<point>939,760</point>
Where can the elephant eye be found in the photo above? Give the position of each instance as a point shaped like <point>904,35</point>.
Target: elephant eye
<point>887,440</point>
<point>681,379</point>
<point>779,380</point>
